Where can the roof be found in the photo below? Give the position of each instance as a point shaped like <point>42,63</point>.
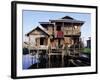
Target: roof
<point>65,19</point>
<point>36,29</point>
<point>45,24</point>
<point>68,19</point>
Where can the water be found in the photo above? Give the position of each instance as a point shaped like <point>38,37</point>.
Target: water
<point>42,61</point>
<point>29,60</point>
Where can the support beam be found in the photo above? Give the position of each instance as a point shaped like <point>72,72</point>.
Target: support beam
<point>29,44</point>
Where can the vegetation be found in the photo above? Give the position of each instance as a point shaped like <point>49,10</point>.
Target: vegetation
<point>25,51</point>
<point>86,50</point>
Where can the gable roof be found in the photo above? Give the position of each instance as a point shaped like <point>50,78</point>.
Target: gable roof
<point>37,28</point>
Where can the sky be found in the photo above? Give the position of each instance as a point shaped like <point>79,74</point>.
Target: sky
<point>31,20</point>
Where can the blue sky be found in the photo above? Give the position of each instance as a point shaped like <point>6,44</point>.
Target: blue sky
<point>31,20</point>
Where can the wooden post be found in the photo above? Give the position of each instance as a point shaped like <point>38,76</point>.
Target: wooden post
<point>72,35</point>
<point>55,32</point>
<point>46,58</point>
<point>79,47</point>
<point>62,59</point>
<point>73,40</point>
<point>49,58</point>
<point>62,54</point>
<point>49,51</point>
<point>29,44</point>
<point>37,56</point>
<point>48,42</point>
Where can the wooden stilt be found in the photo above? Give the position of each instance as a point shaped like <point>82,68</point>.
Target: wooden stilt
<point>79,46</point>
<point>37,57</point>
<point>29,45</point>
<point>62,59</point>
<point>49,59</point>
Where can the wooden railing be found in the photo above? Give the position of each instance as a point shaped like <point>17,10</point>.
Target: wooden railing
<point>73,33</point>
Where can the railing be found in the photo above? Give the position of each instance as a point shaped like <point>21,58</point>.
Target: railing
<point>60,34</point>
<point>73,33</point>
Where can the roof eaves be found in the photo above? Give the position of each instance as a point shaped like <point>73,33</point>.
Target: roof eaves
<point>36,28</point>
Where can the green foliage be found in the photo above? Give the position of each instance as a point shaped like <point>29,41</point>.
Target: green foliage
<point>86,50</point>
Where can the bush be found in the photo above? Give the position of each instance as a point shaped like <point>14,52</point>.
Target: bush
<point>25,51</point>
<point>86,50</point>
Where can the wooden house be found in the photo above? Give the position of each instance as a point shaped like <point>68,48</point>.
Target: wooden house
<point>53,37</point>
<point>56,33</point>
<point>64,30</point>
<point>38,38</point>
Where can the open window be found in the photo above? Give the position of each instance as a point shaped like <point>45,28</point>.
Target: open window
<point>43,41</point>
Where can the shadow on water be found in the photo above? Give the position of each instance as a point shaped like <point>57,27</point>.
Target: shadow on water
<point>55,61</point>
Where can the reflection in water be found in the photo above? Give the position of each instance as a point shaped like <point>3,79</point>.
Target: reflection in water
<point>42,61</point>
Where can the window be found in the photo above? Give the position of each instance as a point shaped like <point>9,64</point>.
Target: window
<point>41,41</point>
<point>58,28</point>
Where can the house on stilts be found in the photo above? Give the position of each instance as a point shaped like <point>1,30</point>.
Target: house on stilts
<point>55,34</point>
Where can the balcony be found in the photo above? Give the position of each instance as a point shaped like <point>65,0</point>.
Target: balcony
<point>72,34</point>
<point>59,34</point>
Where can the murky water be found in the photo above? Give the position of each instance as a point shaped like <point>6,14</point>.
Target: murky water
<point>42,61</point>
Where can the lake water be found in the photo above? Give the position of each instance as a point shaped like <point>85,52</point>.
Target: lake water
<point>28,60</point>
<point>32,61</point>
